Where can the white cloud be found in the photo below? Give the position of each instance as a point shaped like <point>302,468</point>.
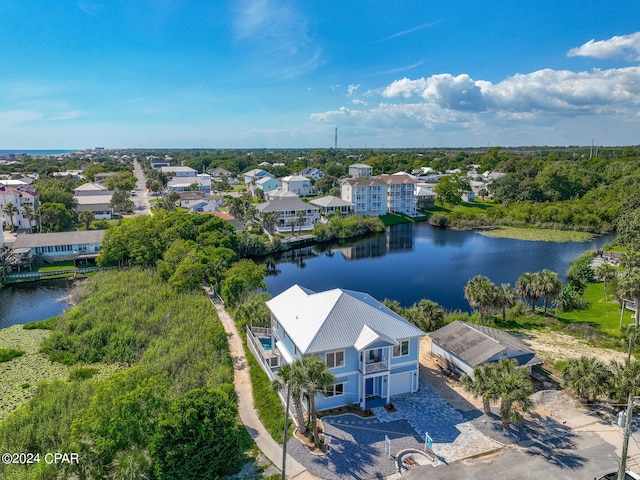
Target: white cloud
<point>623,46</point>
<point>460,110</point>
<point>16,117</point>
<point>543,90</point>
<point>352,88</point>
<point>278,32</point>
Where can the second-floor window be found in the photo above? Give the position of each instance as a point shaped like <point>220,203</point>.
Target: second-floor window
<point>402,349</point>
<point>335,359</point>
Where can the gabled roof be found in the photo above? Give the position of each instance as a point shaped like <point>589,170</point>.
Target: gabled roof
<point>60,238</point>
<point>331,201</point>
<point>360,165</point>
<point>284,203</point>
<point>398,178</point>
<point>336,319</point>
<point>476,344</point>
<point>91,187</point>
<point>294,178</point>
<point>364,182</point>
<point>264,180</point>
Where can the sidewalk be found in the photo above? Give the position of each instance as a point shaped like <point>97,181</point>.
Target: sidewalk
<point>267,445</point>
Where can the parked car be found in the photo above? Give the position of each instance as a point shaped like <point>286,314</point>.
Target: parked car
<point>133,193</point>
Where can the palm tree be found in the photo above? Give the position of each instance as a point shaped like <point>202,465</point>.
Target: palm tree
<point>317,379</point>
<point>300,216</point>
<point>629,287</point>
<point>481,292</point>
<point>426,314</point>
<point>513,387</point>
<point>526,286</point>
<point>549,286</point>
<point>28,213</point>
<point>10,209</point>
<point>624,379</point>
<point>291,374</point>
<point>630,259</point>
<point>482,385</point>
<point>508,299</point>
<point>293,221</point>
<point>269,220</point>
<point>588,377</point>
<point>86,217</point>
<point>605,272</point>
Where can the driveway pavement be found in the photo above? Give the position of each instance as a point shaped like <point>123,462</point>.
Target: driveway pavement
<point>357,444</point>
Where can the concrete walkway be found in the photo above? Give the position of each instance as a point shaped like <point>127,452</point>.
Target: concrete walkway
<point>267,445</point>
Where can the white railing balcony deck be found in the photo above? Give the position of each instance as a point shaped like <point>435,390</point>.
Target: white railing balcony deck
<point>376,367</point>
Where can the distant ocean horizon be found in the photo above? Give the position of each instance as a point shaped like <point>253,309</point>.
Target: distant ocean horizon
<point>36,153</point>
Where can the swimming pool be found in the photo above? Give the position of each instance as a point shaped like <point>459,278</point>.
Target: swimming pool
<point>266,342</point>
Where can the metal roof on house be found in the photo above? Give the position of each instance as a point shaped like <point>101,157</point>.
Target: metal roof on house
<point>94,199</point>
<point>331,201</point>
<point>294,178</point>
<point>32,240</point>
<point>283,204</point>
<point>90,187</point>
<point>364,182</point>
<point>397,178</point>
<point>178,169</point>
<point>336,319</point>
<point>476,344</point>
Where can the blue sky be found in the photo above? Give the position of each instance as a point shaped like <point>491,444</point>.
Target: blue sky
<point>285,73</point>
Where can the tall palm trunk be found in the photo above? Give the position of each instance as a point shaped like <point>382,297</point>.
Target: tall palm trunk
<point>505,414</point>
<point>486,405</point>
<point>314,420</point>
<point>297,406</point>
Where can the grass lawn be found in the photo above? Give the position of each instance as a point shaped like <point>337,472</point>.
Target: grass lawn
<point>602,313</point>
<point>397,218</point>
<point>56,267</point>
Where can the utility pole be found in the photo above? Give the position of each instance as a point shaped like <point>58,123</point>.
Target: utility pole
<point>625,443</point>
<point>286,427</point>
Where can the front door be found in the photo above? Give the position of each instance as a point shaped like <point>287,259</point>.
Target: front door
<point>368,387</point>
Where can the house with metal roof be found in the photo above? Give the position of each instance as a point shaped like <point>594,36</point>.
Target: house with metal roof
<point>464,346</point>
<point>60,246</point>
<point>372,351</point>
<point>288,210</point>
<point>331,204</point>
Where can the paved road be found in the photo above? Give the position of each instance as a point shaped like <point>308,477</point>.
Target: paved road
<point>586,457</point>
<point>141,200</point>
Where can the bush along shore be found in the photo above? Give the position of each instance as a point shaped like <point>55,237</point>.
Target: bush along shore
<point>167,410</point>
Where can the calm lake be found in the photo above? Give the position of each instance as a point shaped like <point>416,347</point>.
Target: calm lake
<point>406,263</point>
<point>32,301</point>
<point>414,261</point>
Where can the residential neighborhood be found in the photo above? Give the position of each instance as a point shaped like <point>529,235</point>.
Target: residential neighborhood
<point>399,392</point>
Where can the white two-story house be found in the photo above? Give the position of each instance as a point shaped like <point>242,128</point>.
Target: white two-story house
<point>297,184</point>
<point>372,351</point>
<point>368,195</point>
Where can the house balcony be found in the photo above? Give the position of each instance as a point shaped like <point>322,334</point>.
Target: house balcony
<point>261,344</point>
<point>373,367</point>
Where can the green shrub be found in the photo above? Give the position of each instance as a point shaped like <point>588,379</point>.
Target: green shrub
<point>7,354</point>
<point>48,324</point>
<point>25,385</point>
<point>82,373</point>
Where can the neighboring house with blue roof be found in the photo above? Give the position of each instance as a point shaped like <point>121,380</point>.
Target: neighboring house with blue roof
<point>372,351</point>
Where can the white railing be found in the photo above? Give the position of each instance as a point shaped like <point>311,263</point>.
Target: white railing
<point>376,367</point>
